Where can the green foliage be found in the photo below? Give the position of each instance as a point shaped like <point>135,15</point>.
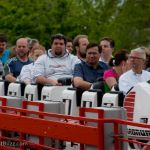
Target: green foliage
<point>126,21</point>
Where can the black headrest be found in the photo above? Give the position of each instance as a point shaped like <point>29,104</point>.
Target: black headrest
<point>65,81</point>
<point>99,79</point>
<point>99,85</point>
<point>148,81</point>
<point>116,87</point>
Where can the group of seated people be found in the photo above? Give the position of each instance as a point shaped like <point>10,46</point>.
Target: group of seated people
<point>93,63</point>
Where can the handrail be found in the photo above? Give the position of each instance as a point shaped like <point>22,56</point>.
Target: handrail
<point>64,130</point>
<point>20,110</point>
<point>60,130</point>
<point>126,122</point>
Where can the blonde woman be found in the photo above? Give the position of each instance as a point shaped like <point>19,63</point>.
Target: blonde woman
<point>26,72</point>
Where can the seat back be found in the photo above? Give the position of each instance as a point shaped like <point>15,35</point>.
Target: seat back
<point>2,88</point>
<point>31,92</point>
<point>92,98</point>
<point>14,89</point>
<point>69,97</point>
<point>113,98</point>
<point>52,93</point>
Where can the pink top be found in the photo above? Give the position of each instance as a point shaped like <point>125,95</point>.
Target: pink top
<point>110,73</point>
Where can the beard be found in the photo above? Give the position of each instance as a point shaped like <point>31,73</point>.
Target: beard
<point>58,53</point>
<point>82,54</point>
<point>22,54</point>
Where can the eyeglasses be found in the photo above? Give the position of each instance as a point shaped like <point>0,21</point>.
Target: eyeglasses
<point>92,53</point>
<point>132,57</point>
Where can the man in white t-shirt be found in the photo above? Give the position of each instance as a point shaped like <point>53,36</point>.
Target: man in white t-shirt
<point>57,63</point>
<point>136,74</point>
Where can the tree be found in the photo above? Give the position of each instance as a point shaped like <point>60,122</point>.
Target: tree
<point>126,21</point>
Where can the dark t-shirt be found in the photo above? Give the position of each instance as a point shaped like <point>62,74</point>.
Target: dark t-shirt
<point>88,73</point>
<point>14,66</point>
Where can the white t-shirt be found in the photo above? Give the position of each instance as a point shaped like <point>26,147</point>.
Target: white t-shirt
<point>26,74</point>
<point>130,79</point>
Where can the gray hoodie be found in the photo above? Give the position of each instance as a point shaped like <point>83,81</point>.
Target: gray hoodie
<point>53,67</point>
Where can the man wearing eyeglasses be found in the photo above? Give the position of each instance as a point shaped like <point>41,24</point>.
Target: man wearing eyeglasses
<point>136,74</point>
<point>86,72</point>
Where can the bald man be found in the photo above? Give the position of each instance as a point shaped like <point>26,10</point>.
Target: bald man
<point>13,67</point>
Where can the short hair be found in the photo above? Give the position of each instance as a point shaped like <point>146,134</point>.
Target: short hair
<point>91,45</point>
<point>110,40</point>
<point>58,36</point>
<point>22,38</point>
<point>77,38</point>
<point>69,39</point>
<point>40,47</point>
<point>141,51</point>
<point>120,56</point>
<point>31,42</point>
<point>3,38</point>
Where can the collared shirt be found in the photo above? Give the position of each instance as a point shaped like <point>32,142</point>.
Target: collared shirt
<point>53,67</point>
<point>130,79</point>
<point>88,73</point>
<point>14,66</point>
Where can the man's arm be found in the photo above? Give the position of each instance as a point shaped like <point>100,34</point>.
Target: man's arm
<point>80,83</point>
<point>8,67</point>
<point>9,77</point>
<point>78,78</point>
<point>43,80</point>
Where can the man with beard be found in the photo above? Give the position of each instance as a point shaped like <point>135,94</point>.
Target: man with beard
<point>57,63</point>
<point>14,65</point>
<point>86,72</point>
<point>80,43</point>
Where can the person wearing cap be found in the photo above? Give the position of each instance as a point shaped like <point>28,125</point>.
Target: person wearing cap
<point>136,74</point>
